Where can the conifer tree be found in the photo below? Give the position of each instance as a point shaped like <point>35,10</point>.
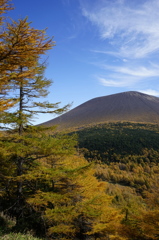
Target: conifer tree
<point>20,68</point>
<point>72,201</point>
<point>23,81</point>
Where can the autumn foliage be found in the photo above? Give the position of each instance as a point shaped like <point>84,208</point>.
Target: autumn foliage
<point>44,184</point>
<point>48,186</point>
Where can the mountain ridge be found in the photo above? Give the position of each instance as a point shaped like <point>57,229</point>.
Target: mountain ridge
<point>129,106</point>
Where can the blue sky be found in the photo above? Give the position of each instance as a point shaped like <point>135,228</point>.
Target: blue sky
<point>102,46</point>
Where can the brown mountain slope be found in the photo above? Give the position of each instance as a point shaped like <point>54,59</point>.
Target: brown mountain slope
<point>127,106</point>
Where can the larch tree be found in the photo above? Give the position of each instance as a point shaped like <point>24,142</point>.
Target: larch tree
<point>72,202</point>
<point>23,80</point>
<point>22,49</point>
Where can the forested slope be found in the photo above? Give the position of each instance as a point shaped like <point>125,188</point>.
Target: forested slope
<point>128,153</point>
<point>126,156</point>
<point>119,138</point>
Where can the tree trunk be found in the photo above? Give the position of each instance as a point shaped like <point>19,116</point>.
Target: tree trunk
<point>21,109</point>
<point>20,160</point>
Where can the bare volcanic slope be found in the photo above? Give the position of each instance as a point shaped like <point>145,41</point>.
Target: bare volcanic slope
<point>127,106</point>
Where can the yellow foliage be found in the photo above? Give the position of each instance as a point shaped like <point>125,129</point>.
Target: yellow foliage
<point>20,51</point>
<point>4,6</point>
<point>76,195</point>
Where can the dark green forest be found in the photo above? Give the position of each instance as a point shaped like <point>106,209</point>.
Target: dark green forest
<point>119,139</point>
<point>124,153</point>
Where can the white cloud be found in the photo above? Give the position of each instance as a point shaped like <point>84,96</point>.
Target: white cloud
<point>119,76</point>
<point>138,71</point>
<point>150,92</point>
<point>130,32</point>
<point>134,29</point>
<point>125,60</point>
<point>118,80</point>
<point>114,83</point>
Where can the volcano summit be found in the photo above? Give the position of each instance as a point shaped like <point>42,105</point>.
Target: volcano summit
<point>127,106</point>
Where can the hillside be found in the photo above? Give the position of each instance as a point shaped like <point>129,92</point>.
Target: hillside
<point>127,106</point>
<point>111,139</point>
<point>127,158</point>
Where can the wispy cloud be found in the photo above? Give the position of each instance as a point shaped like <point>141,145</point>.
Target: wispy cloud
<point>133,28</point>
<point>126,76</point>
<point>130,31</point>
<point>150,92</point>
<point>118,82</point>
<point>136,71</point>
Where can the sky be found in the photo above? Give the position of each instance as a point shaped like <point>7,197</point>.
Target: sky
<point>102,47</point>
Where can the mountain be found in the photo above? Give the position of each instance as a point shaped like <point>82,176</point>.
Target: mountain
<point>127,106</point>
